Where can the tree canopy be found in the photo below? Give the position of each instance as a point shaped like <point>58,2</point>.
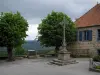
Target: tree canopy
<point>51,30</point>
<point>13,29</point>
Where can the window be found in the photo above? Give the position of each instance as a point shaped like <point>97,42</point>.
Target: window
<point>88,35</point>
<point>98,34</point>
<point>85,35</point>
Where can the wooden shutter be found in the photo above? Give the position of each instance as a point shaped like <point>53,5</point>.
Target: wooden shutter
<point>85,35</point>
<point>98,35</point>
<point>80,35</point>
<point>90,35</point>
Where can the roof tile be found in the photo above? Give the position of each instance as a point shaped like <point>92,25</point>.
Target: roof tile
<point>91,18</point>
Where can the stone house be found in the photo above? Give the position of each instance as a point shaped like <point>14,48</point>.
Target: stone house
<point>88,34</point>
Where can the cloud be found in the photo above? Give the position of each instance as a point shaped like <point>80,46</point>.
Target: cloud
<point>35,10</point>
<point>32,32</point>
<point>38,9</point>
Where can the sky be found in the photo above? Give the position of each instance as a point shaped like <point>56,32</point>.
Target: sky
<point>35,10</point>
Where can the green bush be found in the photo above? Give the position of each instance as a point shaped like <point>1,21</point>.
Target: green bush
<point>3,54</point>
<point>50,52</point>
<point>96,58</point>
<point>97,67</point>
<point>43,51</point>
<point>19,51</point>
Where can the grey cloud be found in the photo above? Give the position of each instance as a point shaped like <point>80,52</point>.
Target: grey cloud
<point>35,10</point>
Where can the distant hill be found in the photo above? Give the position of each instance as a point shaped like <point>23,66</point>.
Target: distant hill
<point>35,45</point>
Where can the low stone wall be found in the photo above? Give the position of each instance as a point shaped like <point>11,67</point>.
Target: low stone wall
<point>93,64</point>
<point>79,52</point>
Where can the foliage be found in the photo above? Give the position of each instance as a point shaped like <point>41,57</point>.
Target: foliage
<point>42,52</point>
<point>3,53</point>
<point>97,67</point>
<point>51,52</point>
<point>19,51</point>
<point>51,31</point>
<point>96,58</point>
<point>13,29</point>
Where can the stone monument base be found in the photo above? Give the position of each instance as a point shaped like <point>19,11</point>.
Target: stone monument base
<point>63,59</point>
<point>64,55</point>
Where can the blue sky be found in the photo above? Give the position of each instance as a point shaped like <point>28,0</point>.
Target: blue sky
<point>35,10</point>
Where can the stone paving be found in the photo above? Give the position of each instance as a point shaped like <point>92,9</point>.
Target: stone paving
<point>40,67</point>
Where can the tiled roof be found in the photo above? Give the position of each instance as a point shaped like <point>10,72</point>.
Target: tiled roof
<point>91,18</point>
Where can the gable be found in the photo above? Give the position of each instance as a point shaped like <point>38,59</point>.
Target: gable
<point>91,18</point>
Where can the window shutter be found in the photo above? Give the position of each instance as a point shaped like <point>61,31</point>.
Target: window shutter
<point>80,35</point>
<point>90,35</point>
<point>85,35</point>
<point>77,36</point>
<point>98,37</point>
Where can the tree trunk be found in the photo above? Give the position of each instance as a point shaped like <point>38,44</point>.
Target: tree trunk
<point>56,50</point>
<point>10,54</point>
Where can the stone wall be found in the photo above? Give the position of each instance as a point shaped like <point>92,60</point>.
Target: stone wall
<point>86,47</point>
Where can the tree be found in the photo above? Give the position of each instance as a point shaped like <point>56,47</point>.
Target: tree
<point>51,31</point>
<point>13,29</point>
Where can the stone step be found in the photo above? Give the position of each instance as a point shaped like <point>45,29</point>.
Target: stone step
<point>56,60</point>
<point>57,63</point>
<point>61,62</point>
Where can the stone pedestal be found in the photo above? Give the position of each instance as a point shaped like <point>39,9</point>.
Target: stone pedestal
<point>64,55</point>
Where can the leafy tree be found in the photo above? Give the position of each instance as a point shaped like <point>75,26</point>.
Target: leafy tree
<point>51,31</point>
<point>13,29</point>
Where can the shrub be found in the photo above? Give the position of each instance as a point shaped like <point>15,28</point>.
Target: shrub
<point>19,51</point>
<point>96,58</point>
<point>97,67</point>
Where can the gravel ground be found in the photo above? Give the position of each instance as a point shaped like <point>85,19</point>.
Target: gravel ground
<point>41,67</point>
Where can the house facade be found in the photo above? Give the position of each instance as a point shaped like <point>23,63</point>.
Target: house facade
<point>88,34</point>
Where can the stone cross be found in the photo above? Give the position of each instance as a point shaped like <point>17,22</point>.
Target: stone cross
<point>64,22</point>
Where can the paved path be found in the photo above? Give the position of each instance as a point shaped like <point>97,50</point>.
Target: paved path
<point>40,67</point>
